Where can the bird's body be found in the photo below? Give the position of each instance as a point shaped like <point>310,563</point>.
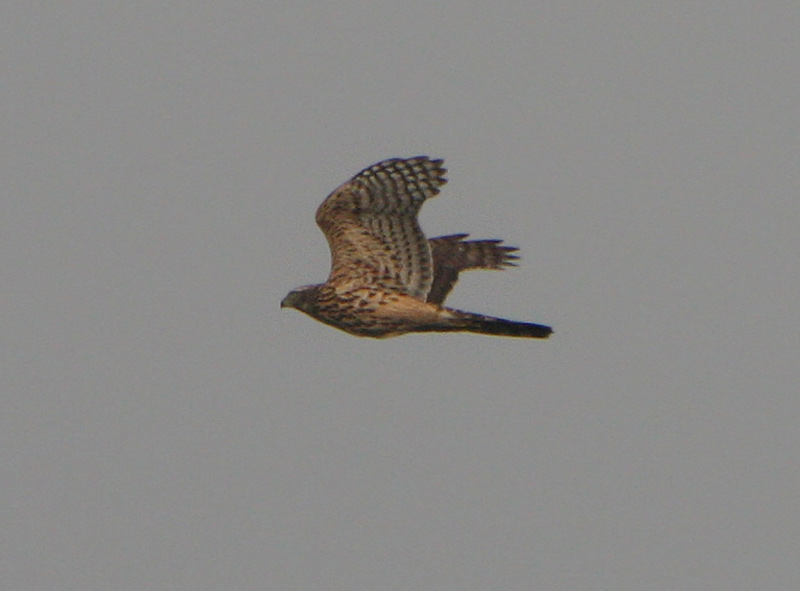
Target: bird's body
<point>386,278</point>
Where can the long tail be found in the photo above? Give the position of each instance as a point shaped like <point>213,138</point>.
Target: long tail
<point>506,328</point>
<point>477,323</point>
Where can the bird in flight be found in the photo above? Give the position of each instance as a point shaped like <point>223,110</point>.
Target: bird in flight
<point>386,277</point>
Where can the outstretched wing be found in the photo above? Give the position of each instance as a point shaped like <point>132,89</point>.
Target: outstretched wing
<point>371,226</point>
<point>451,255</point>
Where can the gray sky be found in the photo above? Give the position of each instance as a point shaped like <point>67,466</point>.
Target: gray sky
<point>166,426</point>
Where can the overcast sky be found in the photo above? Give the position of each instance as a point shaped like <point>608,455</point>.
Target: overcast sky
<point>165,425</point>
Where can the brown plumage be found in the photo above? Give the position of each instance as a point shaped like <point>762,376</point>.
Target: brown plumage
<point>386,278</point>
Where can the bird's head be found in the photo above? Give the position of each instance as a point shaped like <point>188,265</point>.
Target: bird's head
<point>299,298</point>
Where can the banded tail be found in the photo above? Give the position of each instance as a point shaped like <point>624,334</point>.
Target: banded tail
<point>478,323</point>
